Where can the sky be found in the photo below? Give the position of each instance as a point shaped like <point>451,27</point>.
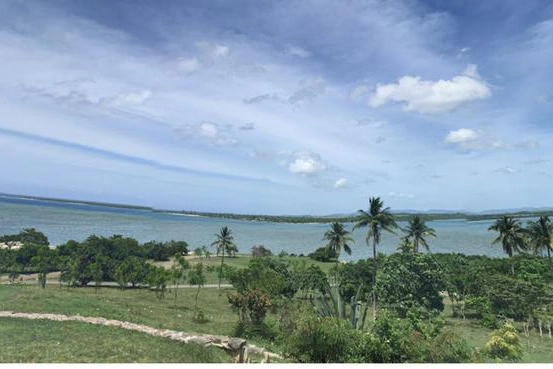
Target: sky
<point>279,107</point>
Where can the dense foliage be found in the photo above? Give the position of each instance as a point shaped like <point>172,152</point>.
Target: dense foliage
<point>313,316</point>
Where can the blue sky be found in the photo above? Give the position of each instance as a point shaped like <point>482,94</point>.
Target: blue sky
<point>279,107</point>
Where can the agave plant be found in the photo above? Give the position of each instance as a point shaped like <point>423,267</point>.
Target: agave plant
<point>332,305</point>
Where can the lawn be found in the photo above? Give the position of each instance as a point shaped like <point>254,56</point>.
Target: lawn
<point>137,306</point>
<point>43,341</point>
<point>536,349</point>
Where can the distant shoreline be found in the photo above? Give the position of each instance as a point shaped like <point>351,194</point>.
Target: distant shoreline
<point>403,216</point>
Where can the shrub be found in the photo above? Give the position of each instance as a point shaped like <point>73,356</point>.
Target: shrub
<point>504,344</point>
<point>317,340</point>
<point>260,251</point>
<point>323,254</point>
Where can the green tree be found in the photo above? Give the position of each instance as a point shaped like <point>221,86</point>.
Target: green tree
<point>97,270</point>
<point>376,219</point>
<point>224,242</point>
<point>196,277</point>
<point>541,236</point>
<point>338,239</point>
<point>206,252</point>
<point>157,278</point>
<point>31,235</point>
<point>511,235</point>
<point>132,270</point>
<point>180,265</point>
<point>411,280</point>
<point>44,262</point>
<point>417,230</point>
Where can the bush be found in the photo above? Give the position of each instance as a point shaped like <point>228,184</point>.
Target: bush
<point>323,254</point>
<point>200,317</point>
<point>260,251</point>
<point>318,340</point>
<point>504,344</point>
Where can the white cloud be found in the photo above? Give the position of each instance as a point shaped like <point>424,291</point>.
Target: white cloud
<point>310,89</point>
<point>341,183</point>
<point>188,65</point>
<point>461,136</point>
<point>306,163</point>
<point>463,52</point>
<point>212,133</point>
<point>432,97</point>
<point>506,170</point>
<point>129,98</point>
<point>208,130</point>
<point>211,52</point>
<point>220,51</point>
<point>298,51</point>
<point>401,195</point>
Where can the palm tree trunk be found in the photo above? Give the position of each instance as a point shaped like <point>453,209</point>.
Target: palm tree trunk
<point>336,274</point>
<point>374,279</point>
<point>221,271</point>
<point>416,244</point>
<point>512,267</point>
<point>549,258</point>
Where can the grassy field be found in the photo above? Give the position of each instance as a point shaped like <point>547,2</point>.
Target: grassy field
<point>43,341</point>
<point>536,349</point>
<point>241,261</point>
<point>137,306</point>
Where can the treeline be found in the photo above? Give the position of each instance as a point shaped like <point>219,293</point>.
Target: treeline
<point>400,217</point>
<point>313,218</point>
<point>97,259</point>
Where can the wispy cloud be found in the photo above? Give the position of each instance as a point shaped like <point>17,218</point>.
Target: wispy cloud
<point>296,100</point>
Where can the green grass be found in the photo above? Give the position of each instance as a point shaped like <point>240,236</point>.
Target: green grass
<point>136,306</point>
<point>43,341</point>
<point>536,349</point>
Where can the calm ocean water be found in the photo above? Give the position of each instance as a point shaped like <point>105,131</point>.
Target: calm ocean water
<point>62,222</point>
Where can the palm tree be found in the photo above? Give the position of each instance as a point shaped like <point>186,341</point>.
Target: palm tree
<point>417,230</point>
<point>541,236</point>
<point>224,242</point>
<point>376,220</point>
<point>338,239</point>
<point>511,235</point>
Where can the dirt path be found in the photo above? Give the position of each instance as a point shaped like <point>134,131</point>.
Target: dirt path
<point>238,348</point>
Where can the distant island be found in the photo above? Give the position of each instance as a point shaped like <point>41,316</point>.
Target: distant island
<point>347,218</point>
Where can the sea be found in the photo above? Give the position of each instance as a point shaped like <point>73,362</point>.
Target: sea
<point>62,221</point>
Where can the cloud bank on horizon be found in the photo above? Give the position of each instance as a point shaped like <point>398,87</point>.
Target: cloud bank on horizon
<point>278,107</point>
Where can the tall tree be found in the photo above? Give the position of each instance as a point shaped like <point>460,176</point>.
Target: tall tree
<point>338,238</point>
<point>511,235</point>
<point>541,236</point>
<point>417,230</point>
<point>376,219</point>
<point>196,277</point>
<point>224,242</point>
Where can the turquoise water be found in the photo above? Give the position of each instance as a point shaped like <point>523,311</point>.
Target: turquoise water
<point>62,222</point>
